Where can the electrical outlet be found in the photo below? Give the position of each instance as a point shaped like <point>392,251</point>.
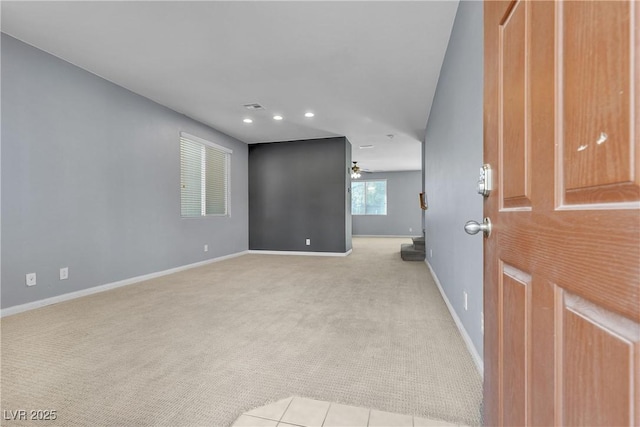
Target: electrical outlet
<point>466,306</point>
<point>308,242</point>
<point>31,279</point>
<point>206,248</point>
<point>64,273</point>
<point>430,253</point>
<point>410,229</point>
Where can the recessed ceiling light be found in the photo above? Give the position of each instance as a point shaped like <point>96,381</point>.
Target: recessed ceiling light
<point>362,147</point>
<point>247,121</point>
<point>309,114</point>
<point>277,117</point>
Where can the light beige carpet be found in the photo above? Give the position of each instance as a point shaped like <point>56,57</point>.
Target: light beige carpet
<point>202,346</point>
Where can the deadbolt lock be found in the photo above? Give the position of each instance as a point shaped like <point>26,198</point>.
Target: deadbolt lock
<point>485,182</point>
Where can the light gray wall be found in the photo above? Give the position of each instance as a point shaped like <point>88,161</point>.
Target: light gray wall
<point>91,181</point>
<point>453,154</point>
<point>297,192</point>
<point>404,216</point>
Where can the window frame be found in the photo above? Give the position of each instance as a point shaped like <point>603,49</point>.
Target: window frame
<point>386,197</point>
<point>227,152</point>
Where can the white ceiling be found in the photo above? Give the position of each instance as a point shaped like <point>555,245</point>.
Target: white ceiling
<point>367,69</point>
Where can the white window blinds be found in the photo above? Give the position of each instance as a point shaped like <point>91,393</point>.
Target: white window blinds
<point>204,177</point>
<point>369,197</point>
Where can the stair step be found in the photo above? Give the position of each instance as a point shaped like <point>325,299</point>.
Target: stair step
<point>409,252</point>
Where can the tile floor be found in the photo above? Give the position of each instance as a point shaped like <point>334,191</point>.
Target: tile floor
<point>302,412</point>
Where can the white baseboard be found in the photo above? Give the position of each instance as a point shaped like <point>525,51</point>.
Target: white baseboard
<point>101,288</point>
<point>385,235</point>
<point>465,336</point>
<point>258,251</point>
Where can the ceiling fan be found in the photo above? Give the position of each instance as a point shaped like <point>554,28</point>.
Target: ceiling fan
<point>355,170</point>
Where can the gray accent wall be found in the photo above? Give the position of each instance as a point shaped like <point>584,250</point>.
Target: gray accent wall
<point>297,192</point>
<point>453,156</point>
<point>91,181</point>
<point>404,216</point>
<point>348,223</point>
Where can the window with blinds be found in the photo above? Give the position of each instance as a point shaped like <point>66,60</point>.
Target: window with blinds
<point>204,177</point>
<point>369,197</point>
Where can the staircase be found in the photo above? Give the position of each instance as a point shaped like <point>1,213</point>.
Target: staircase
<point>413,252</point>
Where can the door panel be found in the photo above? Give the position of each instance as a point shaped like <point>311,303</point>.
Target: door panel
<point>515,333</point>
<point>513,105</point>
<point>562,264</point>
<point>594,39</point>
<point>598,365</point>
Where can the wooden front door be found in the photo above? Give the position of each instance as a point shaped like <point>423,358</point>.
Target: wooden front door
<point>562,264</point>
